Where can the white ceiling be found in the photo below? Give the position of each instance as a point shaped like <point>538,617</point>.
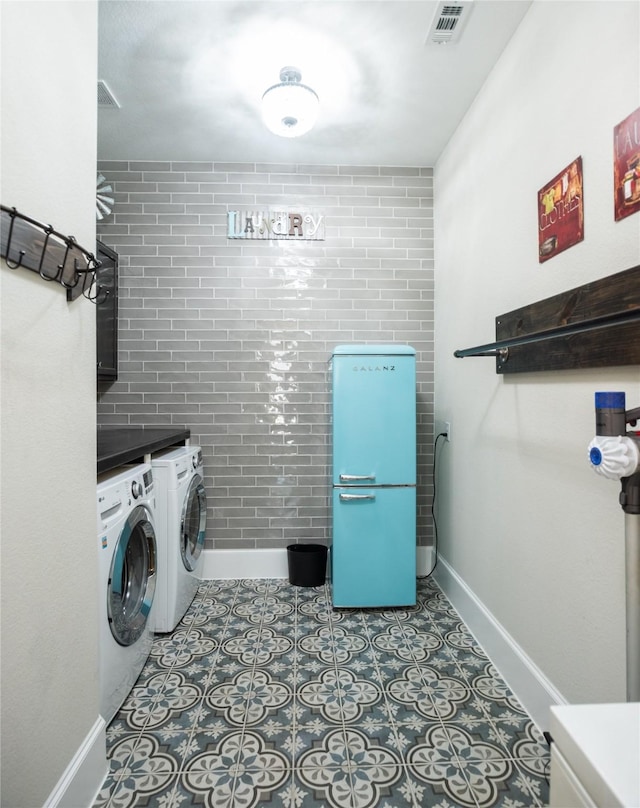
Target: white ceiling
<point>189,76</point>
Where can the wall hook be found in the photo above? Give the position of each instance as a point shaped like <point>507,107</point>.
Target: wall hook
<point>18,263</point>
<point>11,264</point>
<point>75,277</point>
<point>100,296</point>
<point>48,231</point>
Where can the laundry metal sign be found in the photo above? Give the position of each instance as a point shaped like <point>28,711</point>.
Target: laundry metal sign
<point>275,224</point>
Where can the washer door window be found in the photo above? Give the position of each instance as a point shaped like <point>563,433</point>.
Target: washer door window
<point>193,523</point>
<point>132,578</point>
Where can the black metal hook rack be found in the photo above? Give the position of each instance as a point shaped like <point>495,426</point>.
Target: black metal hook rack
<point>27,243</point>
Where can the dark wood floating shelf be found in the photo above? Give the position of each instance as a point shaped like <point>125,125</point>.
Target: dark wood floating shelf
<point>594,325</point>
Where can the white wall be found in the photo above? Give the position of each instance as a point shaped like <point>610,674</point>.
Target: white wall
<point>523,520</point>
<point>49,567</point>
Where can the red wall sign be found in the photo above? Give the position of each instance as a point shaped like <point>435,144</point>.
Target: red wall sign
<point>561,212</point>
<point>626,166</point>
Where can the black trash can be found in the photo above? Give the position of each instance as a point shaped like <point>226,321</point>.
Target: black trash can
<point>307,564</point>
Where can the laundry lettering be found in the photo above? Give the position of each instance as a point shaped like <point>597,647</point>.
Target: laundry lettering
<point>290,225</point>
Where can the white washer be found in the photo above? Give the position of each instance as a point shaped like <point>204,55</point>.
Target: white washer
<point>127,569</point>
<point>182,518</point>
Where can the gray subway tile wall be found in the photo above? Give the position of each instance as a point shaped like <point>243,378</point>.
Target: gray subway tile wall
<point>232,338</point>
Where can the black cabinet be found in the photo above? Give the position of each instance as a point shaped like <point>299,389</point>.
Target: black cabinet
<point>107,313</point>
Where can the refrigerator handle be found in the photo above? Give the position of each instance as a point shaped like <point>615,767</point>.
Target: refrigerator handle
<point>352,478</point>
<point>349,497</point>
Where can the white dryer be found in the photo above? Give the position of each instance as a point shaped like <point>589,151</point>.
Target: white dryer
<point>127,568</point>
<point>182,518</point>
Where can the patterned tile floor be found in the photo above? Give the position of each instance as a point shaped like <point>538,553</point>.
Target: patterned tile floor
<point>264,695</point>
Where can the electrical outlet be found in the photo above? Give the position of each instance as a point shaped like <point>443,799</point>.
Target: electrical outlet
<point>447,429</point>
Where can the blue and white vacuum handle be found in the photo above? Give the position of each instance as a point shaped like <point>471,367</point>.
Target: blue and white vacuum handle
<point>614,457</point>
<point>612,453</point>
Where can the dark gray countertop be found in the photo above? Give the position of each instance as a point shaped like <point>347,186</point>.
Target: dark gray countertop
<point>118,445</point>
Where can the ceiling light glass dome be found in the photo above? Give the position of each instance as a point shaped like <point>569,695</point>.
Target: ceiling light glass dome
<point>290,108</point>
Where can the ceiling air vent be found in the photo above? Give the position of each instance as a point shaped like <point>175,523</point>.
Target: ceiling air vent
<point>105,97</point>
<point>448,22</point>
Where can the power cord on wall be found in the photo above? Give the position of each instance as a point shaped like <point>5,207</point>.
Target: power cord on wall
<point>433,505</point>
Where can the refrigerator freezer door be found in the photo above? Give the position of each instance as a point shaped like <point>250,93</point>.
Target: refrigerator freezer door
<point>373,554</point>
<point>374,420</point>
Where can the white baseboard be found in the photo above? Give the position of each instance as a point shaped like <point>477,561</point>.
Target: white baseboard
<point>223,564</point>
<point>424,561</point>
<point>534,691</point>
<point>82,779</point>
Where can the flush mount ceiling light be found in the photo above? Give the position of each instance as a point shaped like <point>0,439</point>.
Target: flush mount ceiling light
<point>290,109</point>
